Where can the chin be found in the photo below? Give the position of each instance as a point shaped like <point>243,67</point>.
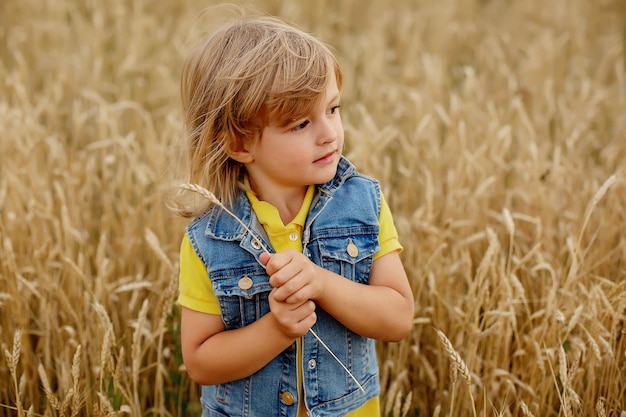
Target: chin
<point>324,179</point>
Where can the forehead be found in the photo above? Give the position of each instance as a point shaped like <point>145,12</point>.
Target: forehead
<point>332,86</point>
<point>286,105</point>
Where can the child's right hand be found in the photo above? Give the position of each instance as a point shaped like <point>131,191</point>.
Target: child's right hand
<point>294,319</point>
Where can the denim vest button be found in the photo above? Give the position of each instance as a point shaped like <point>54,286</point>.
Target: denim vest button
<point>256,244</point>
<point>352,250</point>
<point>312,364</point>
<point>245,283</point>
<point>287,398</point>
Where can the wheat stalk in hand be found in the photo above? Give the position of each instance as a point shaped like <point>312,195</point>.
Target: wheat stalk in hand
<point>214,200</point>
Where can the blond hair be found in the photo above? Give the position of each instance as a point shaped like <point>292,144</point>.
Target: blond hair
<point>245,74</point>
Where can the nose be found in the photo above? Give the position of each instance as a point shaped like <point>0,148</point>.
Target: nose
<point>328,130</point>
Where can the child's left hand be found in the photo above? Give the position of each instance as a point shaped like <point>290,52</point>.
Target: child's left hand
<point>294,277</point>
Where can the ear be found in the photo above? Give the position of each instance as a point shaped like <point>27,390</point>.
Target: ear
<point>238,149</point>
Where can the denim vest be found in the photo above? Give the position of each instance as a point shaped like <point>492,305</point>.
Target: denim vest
<point>341,235</point>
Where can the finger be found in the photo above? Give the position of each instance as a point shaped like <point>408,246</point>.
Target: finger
<point>301,319</point>
<point>276,262</point>
<point>294,320</point>
<point>298,296</point>
<point>282,272</point>
<point>288,282</point>
<point>281,293</point>
<point>281,259</point>
<point>265,258</point>
<point>308,318</point>
<point>294,292</point>
<point>277,304</point>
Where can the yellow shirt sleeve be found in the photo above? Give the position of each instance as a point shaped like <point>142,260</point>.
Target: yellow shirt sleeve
<point>387,235</point>
<point>194,286</point>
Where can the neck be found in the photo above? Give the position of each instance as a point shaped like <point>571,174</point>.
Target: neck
<point>287,201</point>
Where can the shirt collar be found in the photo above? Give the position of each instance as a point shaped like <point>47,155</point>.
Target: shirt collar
<point>268,215</point>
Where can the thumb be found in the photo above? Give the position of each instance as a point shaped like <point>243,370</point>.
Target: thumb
<point>265,258</point>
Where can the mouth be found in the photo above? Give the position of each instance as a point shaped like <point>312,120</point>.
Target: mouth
<point>326,159</point>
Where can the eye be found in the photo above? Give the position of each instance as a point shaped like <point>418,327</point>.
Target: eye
<point>334,109</point>
<point>300,125</point>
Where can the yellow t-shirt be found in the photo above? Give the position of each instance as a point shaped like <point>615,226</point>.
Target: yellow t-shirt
<point>196,291</point>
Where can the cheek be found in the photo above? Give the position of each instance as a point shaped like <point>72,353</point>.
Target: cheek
<point>339,128</point>
<point>340,134</point>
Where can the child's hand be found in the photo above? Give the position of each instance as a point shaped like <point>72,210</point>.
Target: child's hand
<point>294,319</point>
<point>294,277</point>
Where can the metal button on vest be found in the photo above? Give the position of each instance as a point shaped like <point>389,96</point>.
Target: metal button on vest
<point>287,398</point>
<point>352,250</point>
<point>312,364</point>
<point>245,283</point>
<point>256,244</point>
<point>293,236</point>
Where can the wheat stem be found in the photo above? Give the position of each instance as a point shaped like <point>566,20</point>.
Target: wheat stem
<point>337,359</point>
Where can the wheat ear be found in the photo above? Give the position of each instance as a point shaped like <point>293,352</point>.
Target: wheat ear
<point>457,365</point>
<point>214,200</point>
<point>456,361</point>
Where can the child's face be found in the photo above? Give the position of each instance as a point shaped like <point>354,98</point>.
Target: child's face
<point>304,152</point>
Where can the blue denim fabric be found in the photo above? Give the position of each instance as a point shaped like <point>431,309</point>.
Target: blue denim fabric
<point>345,210</point>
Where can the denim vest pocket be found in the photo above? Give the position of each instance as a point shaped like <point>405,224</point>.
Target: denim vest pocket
<point>242,294</point>
<point>350,255</point>
<point>222,400</point>
<point>208,412</point>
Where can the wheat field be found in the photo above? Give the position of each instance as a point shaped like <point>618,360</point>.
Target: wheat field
<point>497,130</point>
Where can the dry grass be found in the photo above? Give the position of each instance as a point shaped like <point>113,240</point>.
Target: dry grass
<point>497,131</point>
